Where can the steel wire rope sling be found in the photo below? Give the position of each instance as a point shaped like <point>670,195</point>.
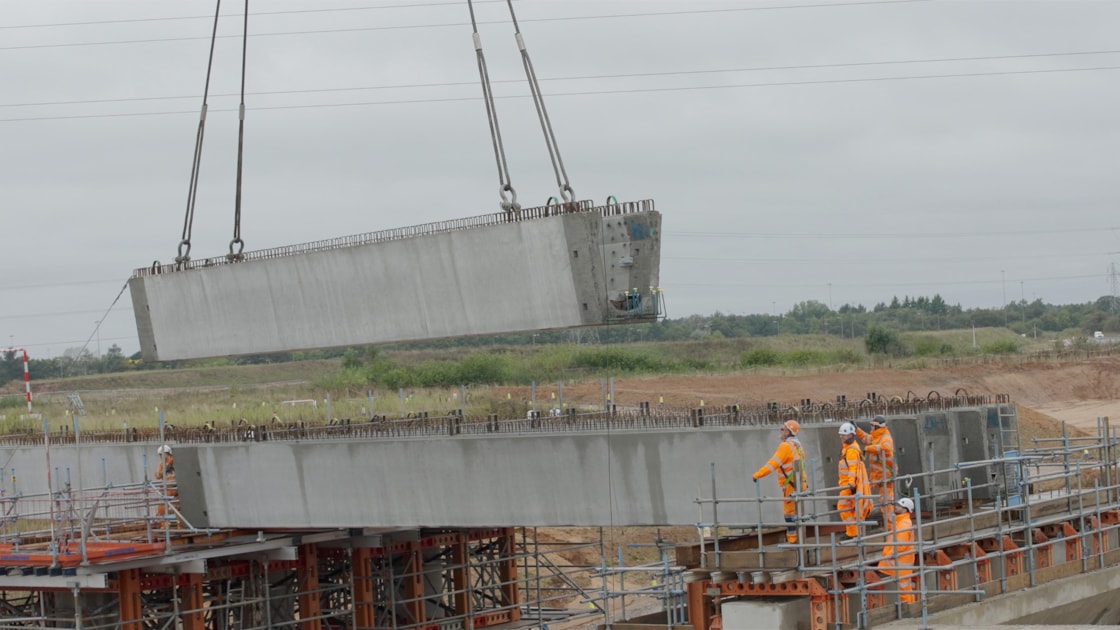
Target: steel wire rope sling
<point>183,256</point>
<point>240,245</point>
<point>566,192</point>
<point>505,188</point>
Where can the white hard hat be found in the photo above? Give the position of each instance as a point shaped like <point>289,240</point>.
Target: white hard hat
<point>906,503</point>
<point>847,429</point>
<point>163,449</point>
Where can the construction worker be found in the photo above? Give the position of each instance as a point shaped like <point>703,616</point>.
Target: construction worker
<point>789,462</point>
<point>853,482</point>
<point>898,554</point>
<point>881,469</point>
<point>166,473</point>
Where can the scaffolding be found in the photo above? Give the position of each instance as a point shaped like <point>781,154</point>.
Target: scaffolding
<point>135,573</point>
<point>1054,511</point>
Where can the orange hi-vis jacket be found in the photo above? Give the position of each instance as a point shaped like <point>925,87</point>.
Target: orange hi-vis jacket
<point>852,473</point>
<point>788,458</point>
<point>788,461</point>
<point>899,549</point>
<point>899,557</point>
<point>880,453</point>
<point>853,479</point>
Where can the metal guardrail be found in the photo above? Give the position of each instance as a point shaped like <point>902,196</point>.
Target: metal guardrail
<point>396,234</point>
<point>642,418</point>
<point>1029,533</point>
<point>454,423</point>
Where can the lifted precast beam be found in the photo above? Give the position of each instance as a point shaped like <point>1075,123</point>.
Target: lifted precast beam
<point>555,267</point>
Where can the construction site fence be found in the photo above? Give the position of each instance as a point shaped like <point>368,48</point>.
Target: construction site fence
<point>612,418</point>
<point>1079,475</point>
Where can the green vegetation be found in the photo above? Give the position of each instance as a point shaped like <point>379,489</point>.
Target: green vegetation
<point>899,328</point>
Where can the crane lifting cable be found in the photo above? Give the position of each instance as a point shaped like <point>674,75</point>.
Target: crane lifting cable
<point>566,192</point>
<point>505,188</point>
<point>236,246</point>
<point>566,264</point>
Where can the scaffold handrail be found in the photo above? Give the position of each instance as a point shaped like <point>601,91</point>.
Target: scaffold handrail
<point>452,423</point>
<point>395,234</point>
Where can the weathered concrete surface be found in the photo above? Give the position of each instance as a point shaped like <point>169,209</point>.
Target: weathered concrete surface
<point>577,479</point>
<point>1089,599</point>
<point>463,278</point>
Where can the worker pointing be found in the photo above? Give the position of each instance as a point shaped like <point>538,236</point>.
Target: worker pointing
<point>788,462</point>
<point>898,554</point>
<point>881,468</point>
<point>853,483</point>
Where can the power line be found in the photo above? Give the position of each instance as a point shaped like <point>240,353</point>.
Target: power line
<point>583,93</point>
<point>879,235</point>
<point>864,260</point>
<point>437,4</point>
<point>859,285</point>
<point>62,313</point>
<point>51,285</point>
<point>238,15</point>
<point>627,75</point>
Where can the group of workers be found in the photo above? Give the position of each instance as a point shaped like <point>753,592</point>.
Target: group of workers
<point>866,472</point>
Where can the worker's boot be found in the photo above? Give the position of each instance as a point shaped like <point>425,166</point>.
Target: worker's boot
<point>791,532</point>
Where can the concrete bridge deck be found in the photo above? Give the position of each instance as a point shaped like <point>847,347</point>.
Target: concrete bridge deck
<point>591,470</point>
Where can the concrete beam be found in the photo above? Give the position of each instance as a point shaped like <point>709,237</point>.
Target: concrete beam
<point>541,476</point>
<point>546,268</point>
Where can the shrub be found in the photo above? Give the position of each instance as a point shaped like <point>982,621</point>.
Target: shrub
<point>879,340</point>
<point>846,356</point>
<point>1000,347</point>
<point>616,360</point>
<point>799,358</point>
<point>482,369</point>
<point>927,347</point>
<point>760,356</point>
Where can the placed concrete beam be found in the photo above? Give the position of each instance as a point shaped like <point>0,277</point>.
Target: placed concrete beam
<point>554,267</point>
<point>529,474</point>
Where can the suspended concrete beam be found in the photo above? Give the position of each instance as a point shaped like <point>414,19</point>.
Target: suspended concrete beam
<point>554,267</point>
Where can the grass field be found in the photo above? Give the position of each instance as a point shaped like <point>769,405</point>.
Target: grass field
<point>322,389</point>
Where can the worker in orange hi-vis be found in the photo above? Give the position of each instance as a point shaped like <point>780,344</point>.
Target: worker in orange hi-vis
<point>853,483</point>
<point>898,553</point>
<point>166,473</point>
<point>881,468</point>
<point>788,462</point>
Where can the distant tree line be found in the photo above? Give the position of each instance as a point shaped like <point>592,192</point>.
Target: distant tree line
<point>908,314</point>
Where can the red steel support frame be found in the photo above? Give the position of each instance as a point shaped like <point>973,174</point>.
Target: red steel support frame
<point>700,602</point>
<point>508,573</point>
<point>1072,541</point>
<point>412,585</point>
<point>307,576</point>
<point>128,587</point>
<point>1043,549</point>
<point>947,577</point>
<point>460,575</point>
<point>193,602</point>
<point>361,569</point>
<point>699,612</point>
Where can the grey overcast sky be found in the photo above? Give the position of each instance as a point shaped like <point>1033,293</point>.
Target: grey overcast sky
<point>828,150</point>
